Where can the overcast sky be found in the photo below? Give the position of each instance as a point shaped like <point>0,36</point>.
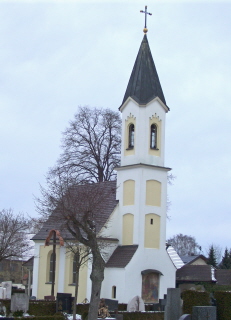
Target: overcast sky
<point>57,55</point>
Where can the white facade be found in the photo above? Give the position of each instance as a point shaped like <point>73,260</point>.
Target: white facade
<point>140,167</point>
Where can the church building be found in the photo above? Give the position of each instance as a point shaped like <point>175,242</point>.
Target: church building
<point>138,263</point>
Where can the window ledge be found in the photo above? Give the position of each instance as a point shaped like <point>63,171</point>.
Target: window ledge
<point>130,148</point>
<point>71,284</point>
<point>48,283</point>
<point>154,149</point>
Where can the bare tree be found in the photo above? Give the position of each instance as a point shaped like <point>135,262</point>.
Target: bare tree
<point>91,145</point>
<point>14,242</point>
<point>79,211</point>
<point>184,245</point>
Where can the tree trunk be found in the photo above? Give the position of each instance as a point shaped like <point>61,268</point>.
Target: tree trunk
<point>97,276</point>
<point>76,291</point>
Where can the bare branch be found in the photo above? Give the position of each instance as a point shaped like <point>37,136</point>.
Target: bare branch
<point>13,239</point>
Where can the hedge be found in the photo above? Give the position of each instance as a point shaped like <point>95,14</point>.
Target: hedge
<point>42,307</point>
<point>143,315</point>
<point>194,298</point>
<point>223,305</point>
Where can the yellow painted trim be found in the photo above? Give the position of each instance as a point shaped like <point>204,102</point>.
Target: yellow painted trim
<point>128,227</point>
<point>44,288</point>
<point>129,193</point>
<point>155,120</point>
<point>130,120</point>
<point>153,193</point>
<point>152,231</point>
<point>69,287</point>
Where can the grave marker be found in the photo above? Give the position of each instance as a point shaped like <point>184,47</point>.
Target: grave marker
<point>19,301</point>
<point>8,286</point>
<point>64,302</point>
<point>204,313</point>
<point>173,305</point>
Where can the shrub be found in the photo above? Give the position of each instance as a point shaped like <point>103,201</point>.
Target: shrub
<point>42,308</point>
<point>223,305</point>
<point>18,313</point>
<point>194,298</point>
<point>143,316</point>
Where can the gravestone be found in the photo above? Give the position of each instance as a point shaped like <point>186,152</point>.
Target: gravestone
<point>204,313</point>
<point>185,317</point>
<point>64,303</point>
<point>8,286</point>
<point>112,305</point>
<point>155,307</point>
<point>19,301</point>
<point>2,293</point>
<point>173,305</point>
<point>2,310</point>
<point>162,303</point>
<point>136,304</point>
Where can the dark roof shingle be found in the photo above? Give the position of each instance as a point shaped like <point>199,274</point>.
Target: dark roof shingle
<point>121,256</point>
<point>223,277</point>
<point>144,84</point>
<point>102,211</point>
<point>191,273</point>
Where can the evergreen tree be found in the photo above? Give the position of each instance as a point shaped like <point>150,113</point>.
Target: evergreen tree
<point>226,260</point>
<point>212,257</point>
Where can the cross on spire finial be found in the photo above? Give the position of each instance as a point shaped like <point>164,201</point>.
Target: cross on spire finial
<point>145,12</point>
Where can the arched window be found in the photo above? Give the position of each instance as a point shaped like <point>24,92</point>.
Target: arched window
<point>113,292</point>
<point>52,261</point>
<point>131,136</point>
<point>153,137</point>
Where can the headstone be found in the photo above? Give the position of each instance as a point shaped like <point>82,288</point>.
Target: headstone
<point>135,304</point>
<point>8,286</point>
<point>204,313</point>
<point>155,307</point>
<point>19,301</point>
<point>2,310</point>
<point>162,303</point>
<point>2,293</point>
<point>185,317</point>
<point>112,304</point>
<point>64,303</point>
<point>173,305</point>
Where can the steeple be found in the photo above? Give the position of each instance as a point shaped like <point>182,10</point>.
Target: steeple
<point>144,84</point>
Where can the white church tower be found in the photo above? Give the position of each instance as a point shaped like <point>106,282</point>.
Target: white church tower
<point>141,264</point>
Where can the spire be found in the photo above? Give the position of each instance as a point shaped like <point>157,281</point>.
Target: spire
<point>144,84</point>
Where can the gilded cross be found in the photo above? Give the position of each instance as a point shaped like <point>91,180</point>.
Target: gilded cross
<point>145,12</point>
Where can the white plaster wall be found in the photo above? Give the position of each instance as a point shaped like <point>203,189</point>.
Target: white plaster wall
<point>36,269</point>
<point>140,174</point>
<point>111,229</point>
<point>61,269</point>
<point>142,115</point>
<point>128,281</point>
<point>114,277</point>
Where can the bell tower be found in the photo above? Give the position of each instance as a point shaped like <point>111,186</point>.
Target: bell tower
<point>142,176</point>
